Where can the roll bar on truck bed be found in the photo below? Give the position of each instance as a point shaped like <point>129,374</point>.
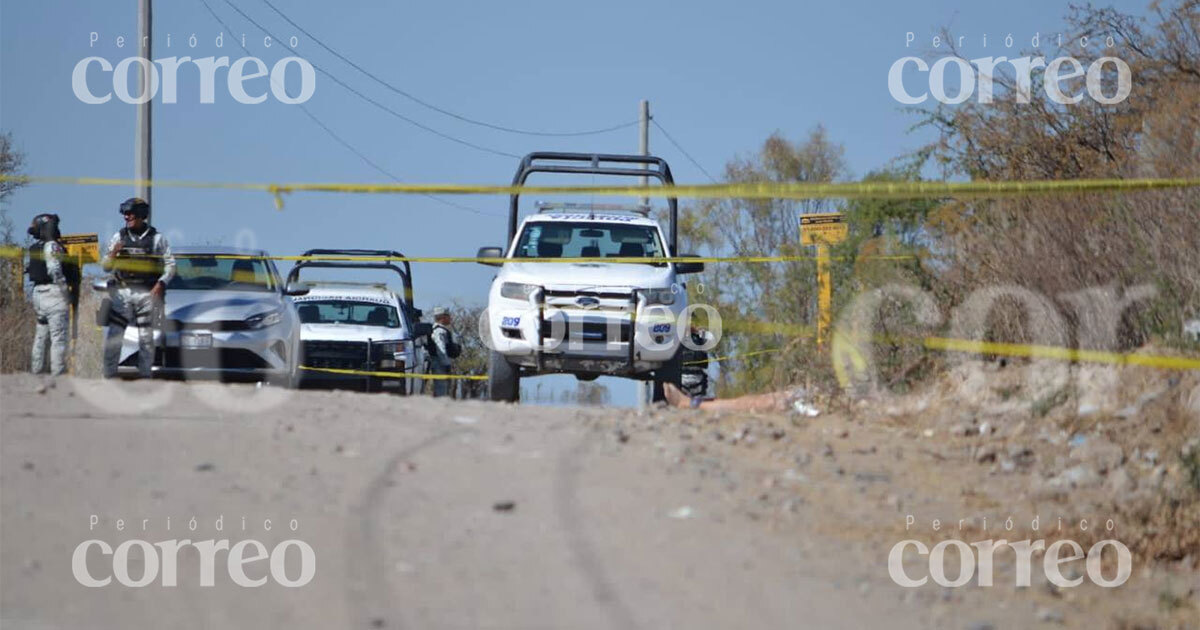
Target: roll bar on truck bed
<point>405,273</point>
<point>595,164</point>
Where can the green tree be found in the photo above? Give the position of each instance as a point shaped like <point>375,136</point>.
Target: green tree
<point>748,296</point>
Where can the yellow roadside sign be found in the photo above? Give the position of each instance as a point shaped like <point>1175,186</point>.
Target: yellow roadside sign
<point>822,229</point>
<point>84,247</point>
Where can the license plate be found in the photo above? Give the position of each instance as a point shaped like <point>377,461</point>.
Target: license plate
<point>195,340</point>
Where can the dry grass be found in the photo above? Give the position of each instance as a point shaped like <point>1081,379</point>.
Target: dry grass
<point>17,329</point>
<point>16,319</point>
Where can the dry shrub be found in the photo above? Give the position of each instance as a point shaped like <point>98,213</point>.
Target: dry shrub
<point>1060,246</point>
<point>1057,245</point>
<point>16,319</point>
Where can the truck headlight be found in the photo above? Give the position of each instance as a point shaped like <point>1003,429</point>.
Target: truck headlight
<point>264,320</point>
<point>659,296</point>
<point>517,291</point>
<point>393,349</point>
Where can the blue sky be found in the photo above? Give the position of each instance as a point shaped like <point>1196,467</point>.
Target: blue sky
<point>720,77</point>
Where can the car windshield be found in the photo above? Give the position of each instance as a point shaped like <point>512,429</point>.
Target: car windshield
<point>555,239</point>
<point>348,312</point>
<point>208,272</point>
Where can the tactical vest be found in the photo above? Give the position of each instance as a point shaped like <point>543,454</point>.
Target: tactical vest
<point>38,274</point>
<point>136,263</point>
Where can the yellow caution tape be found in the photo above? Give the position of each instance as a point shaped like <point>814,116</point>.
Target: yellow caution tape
<point>844,349</point>
<point>428,377</point>
<point>755,190</point>
<point>733,356</point>
<point>1056,352</point>
<point>768,328</point>
<point>142,264</point>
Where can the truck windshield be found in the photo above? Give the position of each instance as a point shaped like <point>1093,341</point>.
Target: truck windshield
<point>565,239</point>
<point>207,272</point>
<point>348,312</point>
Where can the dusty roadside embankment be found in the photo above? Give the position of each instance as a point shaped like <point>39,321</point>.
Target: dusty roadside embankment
<point>427,513</point>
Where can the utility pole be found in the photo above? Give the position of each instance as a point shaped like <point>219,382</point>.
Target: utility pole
<point>643,387</point>
<point>142,160</point>
<point>644,140</point>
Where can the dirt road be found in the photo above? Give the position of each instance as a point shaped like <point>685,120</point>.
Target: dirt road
<point>435,514</point>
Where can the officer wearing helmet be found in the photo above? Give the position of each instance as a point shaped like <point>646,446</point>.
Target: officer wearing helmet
<point>140,260</point>
<point>694,380</point>
<point>52,286</point>
<point>442,350</point>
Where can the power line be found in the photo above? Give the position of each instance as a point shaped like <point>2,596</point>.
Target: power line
<point>682,150</point>
<point>433,107</point>
<point>343,141</point>
<point>370,100</point>
<point>694,163</point>
<point>384,171</point>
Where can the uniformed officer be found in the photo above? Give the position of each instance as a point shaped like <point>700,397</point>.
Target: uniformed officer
<point>694,380</point>
<point>51,294</point>
<point>142,265</point>
<point>443,350</point>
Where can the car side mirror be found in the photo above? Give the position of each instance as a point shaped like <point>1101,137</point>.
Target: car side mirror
<point>422,329</point>
<point>688,267</point>
<point>490,252</point>
<point>100,284</point>
<point>295,289</point>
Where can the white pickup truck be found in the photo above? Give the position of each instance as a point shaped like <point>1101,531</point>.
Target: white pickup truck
<point>358,335</point>
<point>602,310</point>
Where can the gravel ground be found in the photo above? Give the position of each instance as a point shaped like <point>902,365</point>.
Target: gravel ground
<point>440,514</point>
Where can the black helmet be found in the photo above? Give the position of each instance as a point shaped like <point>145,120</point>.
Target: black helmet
<point>137,206</point>
<point>44,227</point>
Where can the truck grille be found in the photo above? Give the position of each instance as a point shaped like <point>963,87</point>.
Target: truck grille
<point>588,331</point>
<point>606,295</point>
<point>338,355</point>
<point>601,301</point>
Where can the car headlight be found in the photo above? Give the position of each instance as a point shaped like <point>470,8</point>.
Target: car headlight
<point>659,296</point>
<point>517,291</point>
<point>263,320</point>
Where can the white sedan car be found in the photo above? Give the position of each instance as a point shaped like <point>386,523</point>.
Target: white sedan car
<point>226,318</point>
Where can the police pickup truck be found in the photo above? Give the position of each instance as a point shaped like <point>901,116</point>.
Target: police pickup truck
<point>362,336</point>
<point>601,311</point>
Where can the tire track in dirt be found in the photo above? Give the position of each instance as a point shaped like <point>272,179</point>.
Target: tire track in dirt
<point>368,596</point>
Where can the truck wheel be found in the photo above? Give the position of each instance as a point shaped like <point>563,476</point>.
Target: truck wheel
<point>670,372</point>
<point>504,382</point>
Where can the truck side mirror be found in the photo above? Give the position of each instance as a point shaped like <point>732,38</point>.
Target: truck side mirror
<point>688,267</point>
<point>490,252</point>
<point>422,329</point>
<point>297,288</point>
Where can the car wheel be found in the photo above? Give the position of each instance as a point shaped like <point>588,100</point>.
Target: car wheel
<point>504,381</point>
<point>290,380</point>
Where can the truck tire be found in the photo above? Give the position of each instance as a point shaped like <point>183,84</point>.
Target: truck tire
<point>670,372</point>
<point>504,381</point>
